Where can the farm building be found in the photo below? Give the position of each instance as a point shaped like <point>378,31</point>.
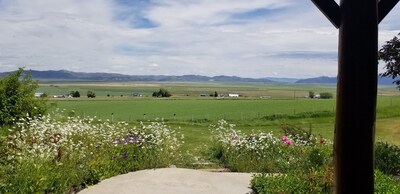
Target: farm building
<point>38,94</point>
<point>233,95</point>
<point>59,96</point>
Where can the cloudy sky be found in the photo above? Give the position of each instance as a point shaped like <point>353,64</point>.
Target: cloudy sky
<point>248,38</point>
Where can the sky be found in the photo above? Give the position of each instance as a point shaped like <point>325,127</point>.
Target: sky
<point>246,38</point>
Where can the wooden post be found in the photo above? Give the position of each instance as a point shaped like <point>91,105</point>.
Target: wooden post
<point>357,21</point>
<point>356,97</point>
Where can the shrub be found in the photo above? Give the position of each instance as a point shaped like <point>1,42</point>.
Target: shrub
<point>301,115</point>
<point>91,94</point>
<point>315,181</point>
<point>75,94</point>
<point>54,154</point>
<point>299,134</point>
<point>263,152</point>
<point>314,114</point>
<point>385,183</point>
<point>326,95</point>
<point>274,117</point>
<point>387,158</point>
<point>17,98</point>
<point>301,163</point>
<point>162,93</point>
<point>311,94</point>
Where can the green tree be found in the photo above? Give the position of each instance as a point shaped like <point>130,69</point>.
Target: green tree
<point>162,93</point>
<point>75,94</point>
<point>17,98</point>
<point>166,94</point>
<point>390,54</point>
<point>311,94</point>
<point>91,94</point>
<point>326,95</point>
<point>215,94</point>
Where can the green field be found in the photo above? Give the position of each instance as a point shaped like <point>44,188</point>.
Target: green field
<point>193,90</point>
<point>191,114</point>
<point>188,90</point>
<point>190,109</point>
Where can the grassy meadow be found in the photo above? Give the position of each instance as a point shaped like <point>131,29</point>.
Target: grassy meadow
<point>193,114</point>
<point>191,109</point>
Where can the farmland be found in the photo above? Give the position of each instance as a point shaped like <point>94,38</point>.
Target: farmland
<point>188,90</point>
<point>193,90</point>
<point>190,112</point>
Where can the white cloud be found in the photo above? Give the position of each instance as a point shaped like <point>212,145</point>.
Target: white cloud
<point>208,37</point>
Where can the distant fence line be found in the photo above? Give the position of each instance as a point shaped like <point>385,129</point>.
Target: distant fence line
<point>208,117</point>
<point>235,115</point>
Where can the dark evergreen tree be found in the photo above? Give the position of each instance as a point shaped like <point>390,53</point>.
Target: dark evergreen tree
<point>390,54</point>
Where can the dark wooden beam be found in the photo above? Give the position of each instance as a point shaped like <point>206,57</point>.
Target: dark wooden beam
<point>356,97</point>
<point>330,9</point>
<point>357,21</point>
<point>385,6</point>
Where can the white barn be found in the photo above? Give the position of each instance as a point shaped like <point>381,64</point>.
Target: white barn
<point>38,94</point>
<point>233,95</point>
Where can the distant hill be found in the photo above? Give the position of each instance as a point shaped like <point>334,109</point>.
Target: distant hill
<point>333,80</point>
<point>283,80</point>
<point>318,80</point>
<point>63,75</point>
<point>79,76</point>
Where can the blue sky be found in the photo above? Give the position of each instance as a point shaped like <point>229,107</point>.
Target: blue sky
<point>247,38</point>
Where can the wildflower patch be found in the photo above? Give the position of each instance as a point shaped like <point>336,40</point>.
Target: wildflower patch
<point>56,154</point>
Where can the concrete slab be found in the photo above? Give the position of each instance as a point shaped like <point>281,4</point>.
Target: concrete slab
<point>174,181</point>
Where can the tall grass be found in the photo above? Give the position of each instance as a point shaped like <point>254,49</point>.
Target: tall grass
<point>264,152</point>
<point>56,154</point>
<point>296,162</point>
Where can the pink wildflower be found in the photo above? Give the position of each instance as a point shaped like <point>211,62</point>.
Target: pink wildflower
<point>288,142</point>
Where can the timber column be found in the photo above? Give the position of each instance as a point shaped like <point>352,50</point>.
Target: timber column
<point>357,21</point>
<point>356,97</point>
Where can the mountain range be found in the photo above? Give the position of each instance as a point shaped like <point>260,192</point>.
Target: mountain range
<point>333,80</point>
<point>63,75</point>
